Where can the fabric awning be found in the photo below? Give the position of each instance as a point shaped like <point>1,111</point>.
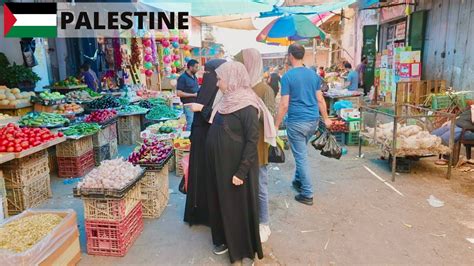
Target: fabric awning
<point>318,20</point>
<point>238,22</point>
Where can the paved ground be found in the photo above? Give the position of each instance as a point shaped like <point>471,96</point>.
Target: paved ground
<point>357,219</point>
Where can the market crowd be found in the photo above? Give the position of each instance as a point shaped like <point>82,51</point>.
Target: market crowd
<point>234,122</point>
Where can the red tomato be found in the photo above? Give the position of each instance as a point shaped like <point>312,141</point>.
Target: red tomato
<point>11,144</point>
<point>60,134</point>
<point>9,135</point>
<point>3,149</point>
<point>10,149</point>
<point>25,144</point>
<point>36,143</point>
<point>17,141</point>
<point>45,136</point>
<point>4,142</point>
<point>18,148</point>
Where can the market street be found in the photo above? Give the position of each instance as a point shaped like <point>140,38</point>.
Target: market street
<point>356,219</point>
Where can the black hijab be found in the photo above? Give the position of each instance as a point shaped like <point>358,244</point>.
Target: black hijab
<point>209,89</point>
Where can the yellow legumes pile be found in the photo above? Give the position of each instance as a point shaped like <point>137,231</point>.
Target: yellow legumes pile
<point>22,234</point>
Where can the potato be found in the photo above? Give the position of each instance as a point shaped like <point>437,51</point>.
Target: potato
<point>4,102</point>
<point>16,91</point>
<point>3,96</point>
<point>13,102</point>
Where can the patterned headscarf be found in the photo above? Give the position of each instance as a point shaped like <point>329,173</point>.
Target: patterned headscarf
<point>239,94</point>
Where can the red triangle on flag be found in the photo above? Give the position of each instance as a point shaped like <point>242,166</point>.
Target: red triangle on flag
<point>8,20</point>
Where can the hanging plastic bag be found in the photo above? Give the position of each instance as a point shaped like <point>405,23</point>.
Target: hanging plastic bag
<point>332,148</point>
<point>276,154</point>
<point>319,142</point>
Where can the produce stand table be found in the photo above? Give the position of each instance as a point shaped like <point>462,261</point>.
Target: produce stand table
<point>68,88</point>
<point>372,116</point>
<point>16,110</point>
<point>331,100</point>
<point>38,148</point>
<point>6,156</point>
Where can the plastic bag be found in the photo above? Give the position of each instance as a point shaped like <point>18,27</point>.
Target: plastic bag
<point>332,148</point>
<point>183,185</point>
<point>319,142</point>
<point>276,154</point>
<point>342,105</point>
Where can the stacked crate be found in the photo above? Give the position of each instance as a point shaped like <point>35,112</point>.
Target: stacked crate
<point>154,192</point>
<point>27,181</point>
<point>104,143</point>
<point>113,224</point>
<point>3,198</point>
<point>129,129</point>
<point>179,155</point>
<point>75,157</point>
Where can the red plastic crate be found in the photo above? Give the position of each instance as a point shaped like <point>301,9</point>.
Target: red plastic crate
<point>76,166</point>
<point>114,238</point>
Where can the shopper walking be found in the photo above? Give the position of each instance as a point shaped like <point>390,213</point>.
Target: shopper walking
<point>187,89</point>
<point>302,98</point>
<point>252,59</point>
<point>197,211</point>
<point>275,79</point>
<point>231,147</point>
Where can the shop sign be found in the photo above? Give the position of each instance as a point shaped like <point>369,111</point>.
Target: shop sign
<point>394,12</point>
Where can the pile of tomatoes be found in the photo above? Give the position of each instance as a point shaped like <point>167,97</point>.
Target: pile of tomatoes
<point>16,139</point>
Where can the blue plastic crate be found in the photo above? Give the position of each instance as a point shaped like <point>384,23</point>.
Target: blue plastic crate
<point>340,137</point>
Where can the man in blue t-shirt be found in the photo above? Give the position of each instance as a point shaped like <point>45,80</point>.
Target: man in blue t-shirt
<point>187,88</point>
<point>352,78</point>
<point>302,98</point>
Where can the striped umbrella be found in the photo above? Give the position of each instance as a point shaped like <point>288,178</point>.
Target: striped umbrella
<point>288,29</point>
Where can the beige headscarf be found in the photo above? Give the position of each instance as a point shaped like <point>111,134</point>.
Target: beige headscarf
<point>239,94</point>
<point>252,60</point>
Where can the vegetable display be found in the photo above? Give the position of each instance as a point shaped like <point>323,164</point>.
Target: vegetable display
<point>411,140</point>
<point>132,109</point>
<point>339,126</point>
<point>22,234</point>
<point>151,152</point>
<point>145,104</point>
<point>69,108</point>
<point>158,101</point>
<point>4,116</point>
<point>145,94</point>
<point>111,174</point>
<point>155,128</point>
<point>14,96</point>
<point>80,96</point>
<point>16,139</point>
<point>42,119</point>
<point>100,116</point>
<point>82,129</point>
<point>106,102</point>
<point>92,93</point>
<point>51,96</point>
<point>69,81</point>
<point>162,112</point>
<point>182,143</point>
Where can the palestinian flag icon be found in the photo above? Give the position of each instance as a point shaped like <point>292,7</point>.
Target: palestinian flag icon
<point>28,20</point>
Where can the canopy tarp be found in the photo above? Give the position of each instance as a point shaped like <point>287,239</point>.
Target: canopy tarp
<point>238,22</point>
<point>323,6</point>
<point>201,8</point>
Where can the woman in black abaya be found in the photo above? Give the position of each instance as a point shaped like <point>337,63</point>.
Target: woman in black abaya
<point>231,150</point>
<point>197,211</point>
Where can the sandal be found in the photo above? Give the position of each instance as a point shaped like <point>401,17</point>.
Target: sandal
<point>441,162</point>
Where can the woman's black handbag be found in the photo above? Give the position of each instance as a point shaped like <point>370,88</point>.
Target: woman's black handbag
<point>276,154</point>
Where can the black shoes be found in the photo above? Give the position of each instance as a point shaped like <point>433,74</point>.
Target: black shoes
<point>296,185</point>
<point>302,199</point>
<point>221,249</point>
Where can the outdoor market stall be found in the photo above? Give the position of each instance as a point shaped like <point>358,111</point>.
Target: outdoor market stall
<point>404,133</point>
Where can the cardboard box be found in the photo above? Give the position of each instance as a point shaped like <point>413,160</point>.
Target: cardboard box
<point>59,247</point>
